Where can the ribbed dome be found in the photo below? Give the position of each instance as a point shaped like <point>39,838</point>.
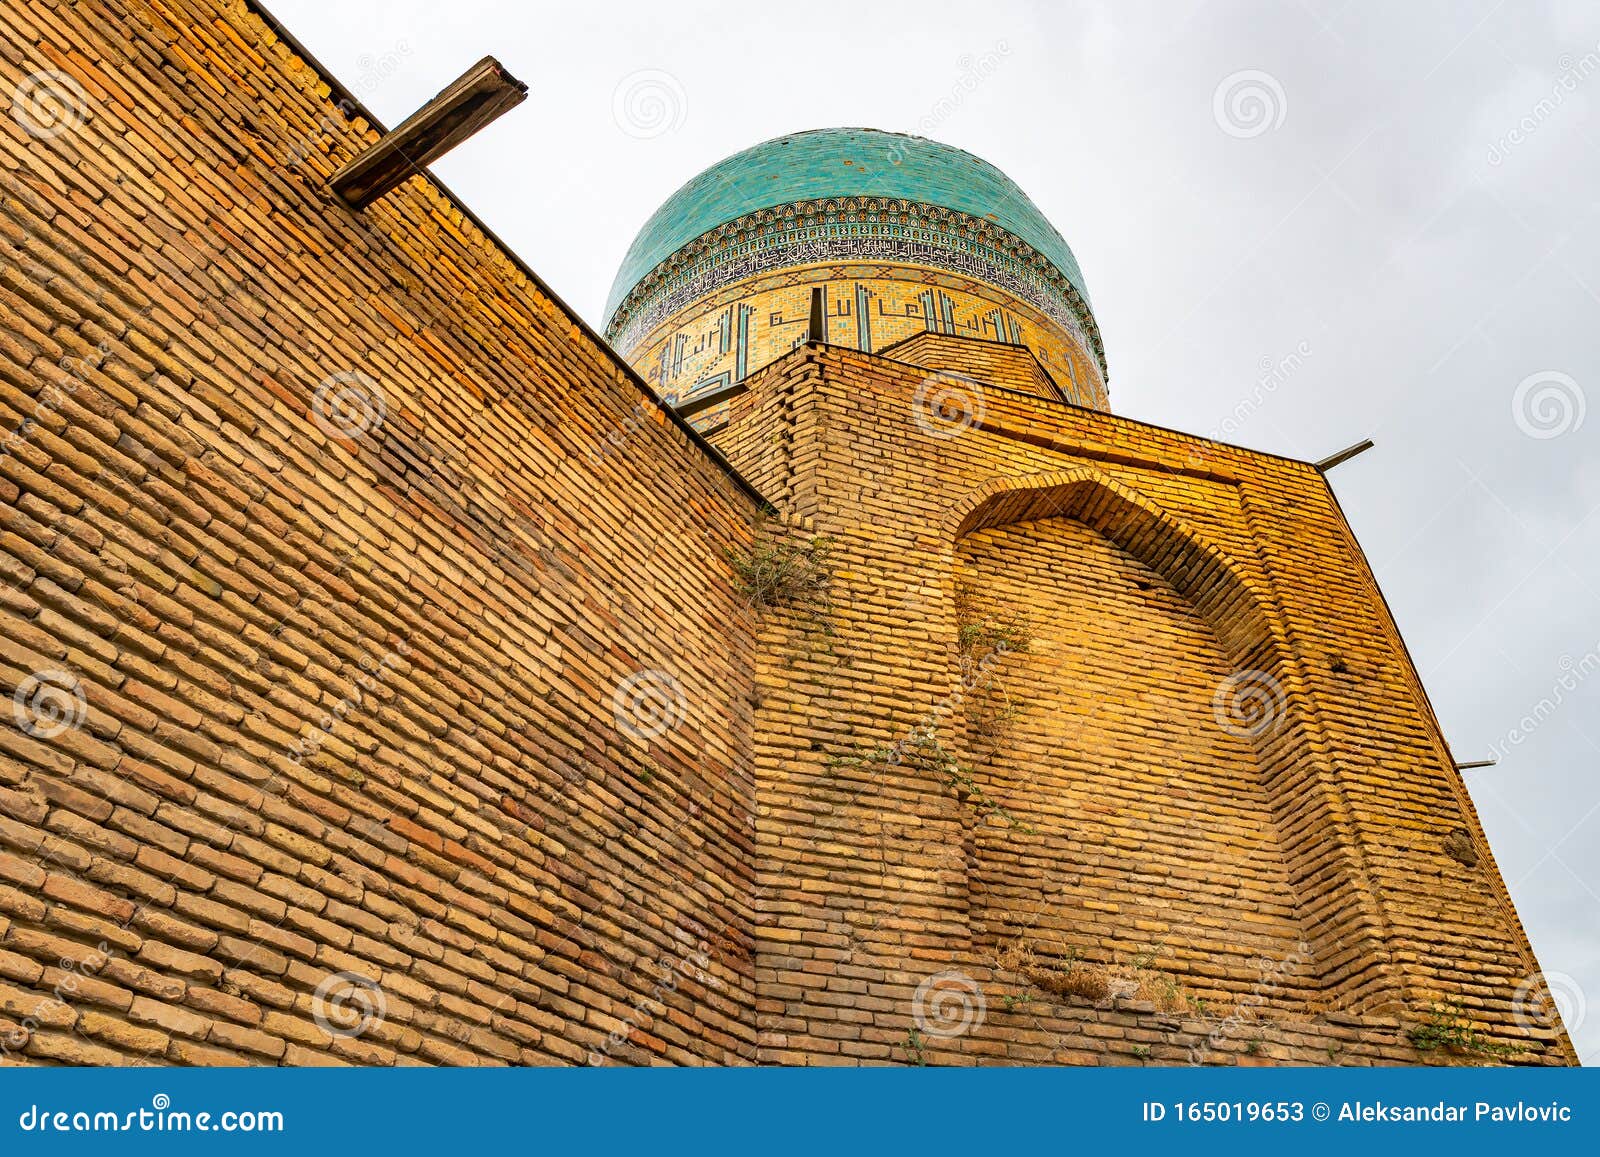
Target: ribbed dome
<point>826,163</point>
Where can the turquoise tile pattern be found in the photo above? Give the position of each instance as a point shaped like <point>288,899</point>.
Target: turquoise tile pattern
<point>840,163</point>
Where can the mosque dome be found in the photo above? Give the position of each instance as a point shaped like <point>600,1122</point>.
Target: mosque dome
<point>903,234</point>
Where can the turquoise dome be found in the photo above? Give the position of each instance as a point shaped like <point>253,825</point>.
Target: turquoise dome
<point>840,163</point>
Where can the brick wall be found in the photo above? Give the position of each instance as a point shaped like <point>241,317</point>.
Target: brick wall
<point>1222,779</point>
<point>1149,836</point>
<point>379,691</point>
<point>326,542</point>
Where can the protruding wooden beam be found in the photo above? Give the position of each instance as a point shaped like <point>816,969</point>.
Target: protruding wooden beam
<point>705,401</point>
<point>1344,455</point>
<point>1472,763</point>
<point>481,95</point>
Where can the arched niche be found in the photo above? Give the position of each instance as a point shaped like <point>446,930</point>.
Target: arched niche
<point>1144,797</point>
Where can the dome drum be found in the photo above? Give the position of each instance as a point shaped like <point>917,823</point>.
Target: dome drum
<point>903,235</point>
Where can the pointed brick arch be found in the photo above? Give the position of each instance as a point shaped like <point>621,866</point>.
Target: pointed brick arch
<point>1201,570</point>
<point>1331,889</point>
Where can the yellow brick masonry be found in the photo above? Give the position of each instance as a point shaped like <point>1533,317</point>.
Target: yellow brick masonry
<point>1152,830</point>
<point>1294,883</point>
<point>455,592</point>
<point>342,698</point>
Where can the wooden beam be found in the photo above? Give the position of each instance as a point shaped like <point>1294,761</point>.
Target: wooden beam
<point>705,401</point>
<point>1344,455</point>
<point>479,96</point>
<point>1472,763</point>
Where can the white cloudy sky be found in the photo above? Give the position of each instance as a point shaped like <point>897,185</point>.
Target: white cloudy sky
<point>1419,211</point>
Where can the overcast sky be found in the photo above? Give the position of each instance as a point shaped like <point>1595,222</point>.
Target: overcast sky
<point>1400,199</point>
